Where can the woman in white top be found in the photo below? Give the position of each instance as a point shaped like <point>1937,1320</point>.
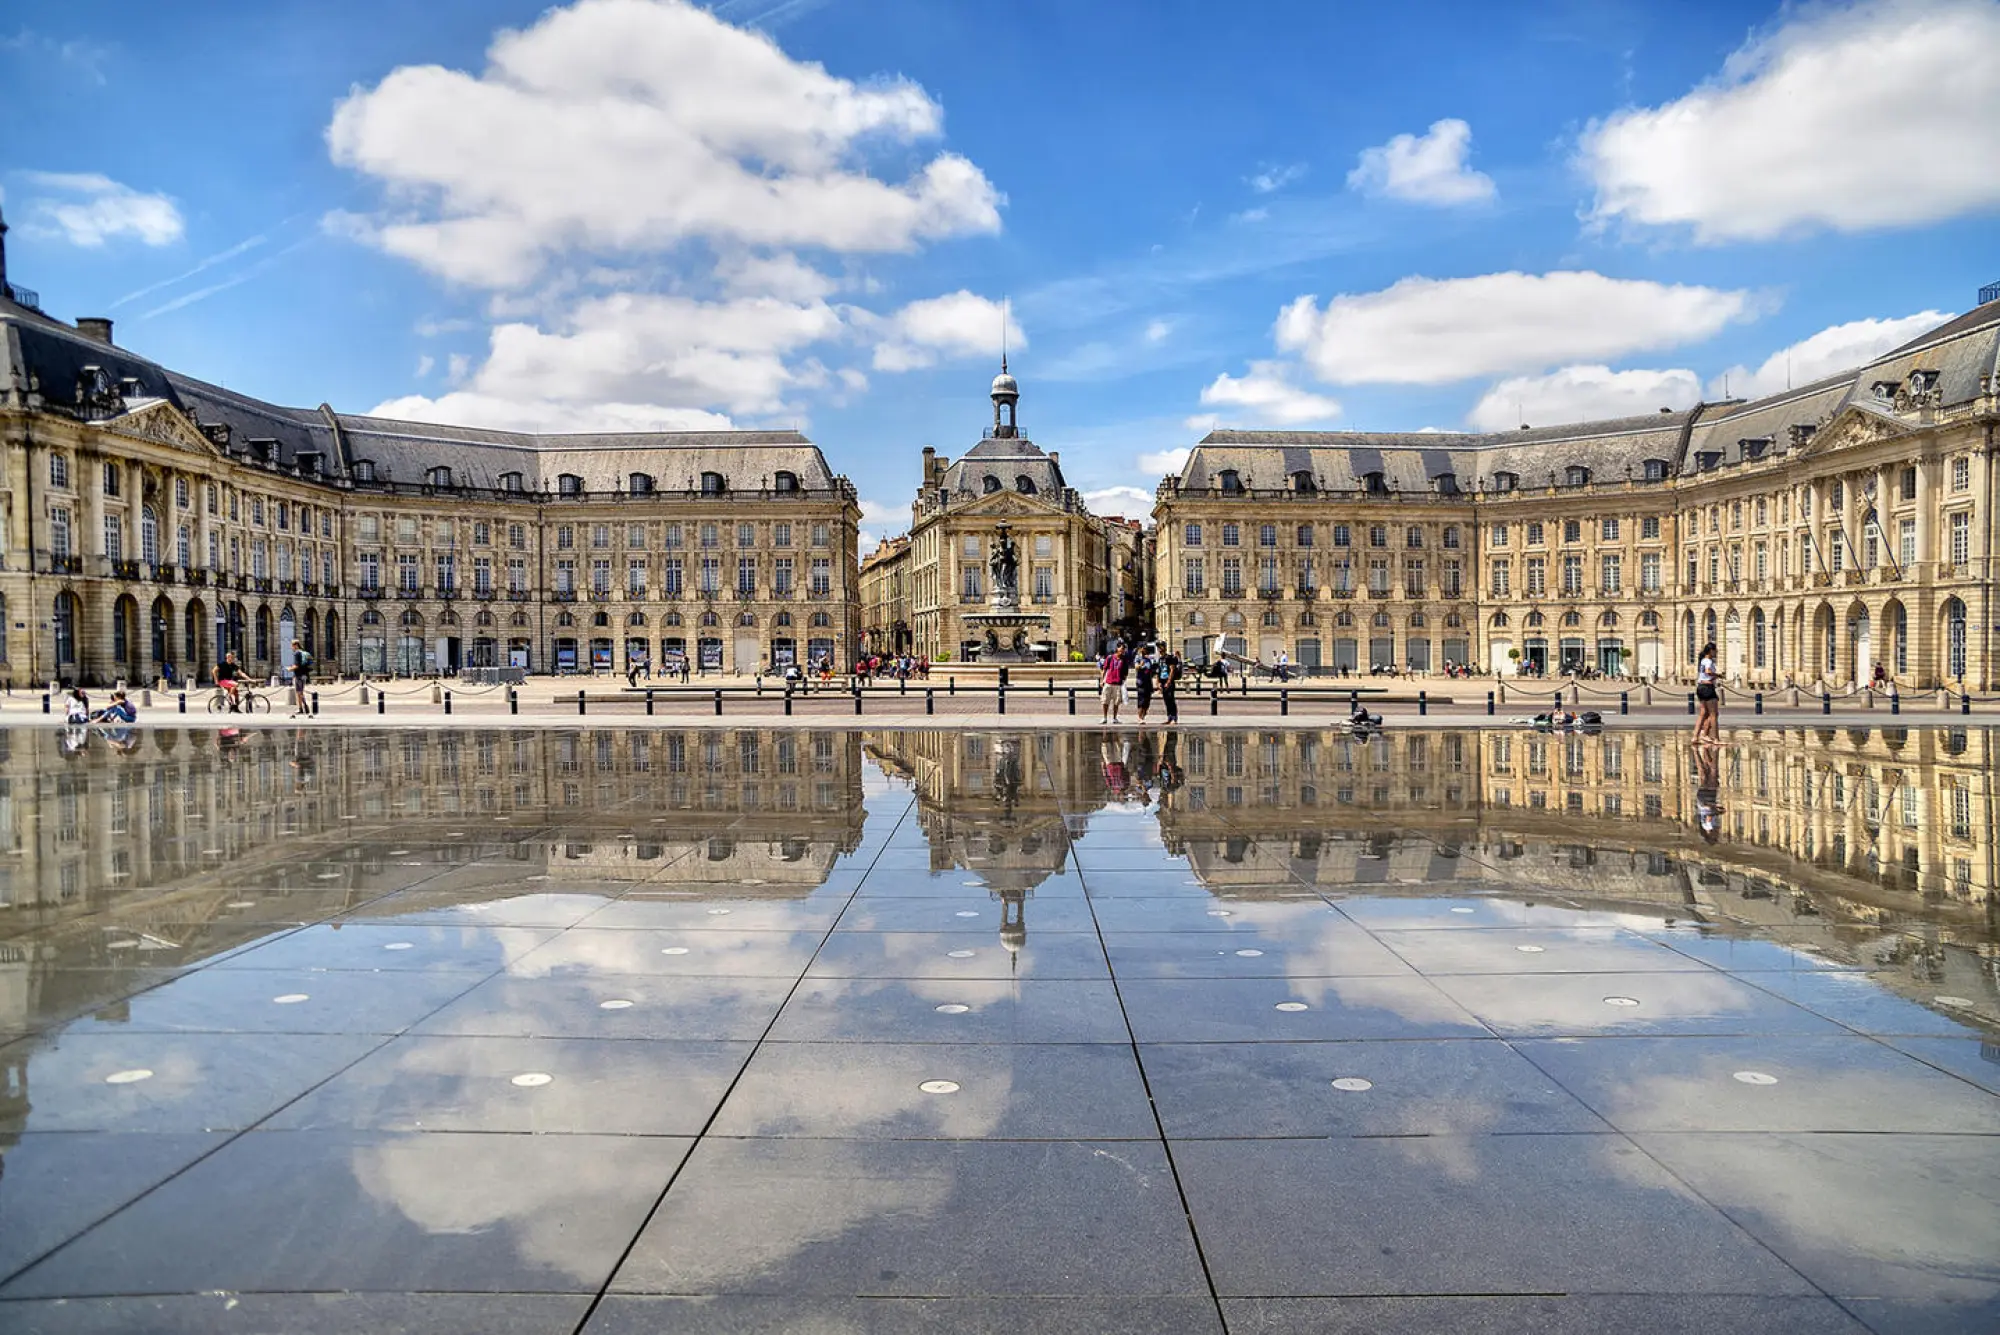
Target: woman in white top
<point>1708,697</point>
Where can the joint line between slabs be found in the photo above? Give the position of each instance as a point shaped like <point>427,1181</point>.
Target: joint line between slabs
<point>757,1046</point>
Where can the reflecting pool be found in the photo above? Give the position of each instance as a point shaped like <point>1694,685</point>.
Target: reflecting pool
<point>760,1029</point>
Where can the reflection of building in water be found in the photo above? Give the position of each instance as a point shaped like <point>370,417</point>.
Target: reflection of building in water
<point>1886,838</point>
<point>996,804</point>
<point>200,841</point>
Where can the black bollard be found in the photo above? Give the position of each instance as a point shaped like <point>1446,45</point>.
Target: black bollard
<point>184,702</point>
<point>1284,703</point>
<point>902,686</point>
<point>1559,701</point>
<point>1895,703</point>
<point>1624,702</point>
<point>1000,694</point>
<point>513,701</point>
<point>1759,698</point>
<point>788,704</point>
<point>649,698</point>
<point>381,702</point>
<point>1489,703</point>
<point>579,702</point>
<point>951,686</point>
<point>1052,685</point>
<point>857,699</point>
<point>1965,704</point>
<point>45,702</point>
<point>1214,703</point>
<point>1072,701</point>
<point>1825,703</point>
<point>315,704</point>
<point>1423,704</point>
<point>718,702</point>
<point>1690,702</point>
<point>447,702</point>
<point>930,701</point>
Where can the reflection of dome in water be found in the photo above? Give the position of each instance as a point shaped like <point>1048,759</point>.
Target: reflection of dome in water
<point>1014,935</point>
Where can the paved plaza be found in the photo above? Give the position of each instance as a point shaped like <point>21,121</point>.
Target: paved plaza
<point>651,1027</point>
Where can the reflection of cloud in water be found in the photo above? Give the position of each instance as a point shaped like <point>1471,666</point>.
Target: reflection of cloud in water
<point>472,1184</point>
<point>1932,1212</point>
<point>745,954</point>
<point>1576,1001</point>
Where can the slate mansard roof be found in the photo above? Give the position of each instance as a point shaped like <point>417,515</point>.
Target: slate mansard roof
<point>1953,364</point>
<point>84,377</point>
<point>1007,459</point>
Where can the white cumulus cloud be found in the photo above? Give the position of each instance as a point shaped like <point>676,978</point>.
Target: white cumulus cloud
<point>1162,462</point>
<point>1125,502</point>
<point>1582,394</point>
<point>471,408</point>
<point>1266,397</point>
<point>1882,114</point>
<point>630,126</point>
<point>1841,347</point>
<point>957,324</point>
<point>1269,180</point>
<point>88,209</point>
<point>880,520</point>
<point>1426,169</point>
<point>1426,331</point>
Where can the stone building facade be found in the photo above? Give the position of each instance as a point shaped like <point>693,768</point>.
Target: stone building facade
<point>1811,535</point>
<point>150,520</point>
<point>942,571</point>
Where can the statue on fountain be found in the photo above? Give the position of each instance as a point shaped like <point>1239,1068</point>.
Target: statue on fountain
<point>1005,567</point>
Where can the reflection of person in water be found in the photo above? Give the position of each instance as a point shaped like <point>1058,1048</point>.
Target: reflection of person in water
<point>1168,775</point>
<point>1707,791</point>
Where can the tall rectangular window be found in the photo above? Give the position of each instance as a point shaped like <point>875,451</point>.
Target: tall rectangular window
<point>1194,581</point>
<point>566,575</point>
<point>1045,584</point>
<point>1537,576</point>
<point>1906,541</point>
<point>635,576</point>
<point>711,575</point>
<point>1503,577</point>
<point>447,572</point>
<point>517,574</point>
<point>746,576</point>
<point>1232,577</point>
<point>1413,579</point>
<point>1961,538</point>
<point>1611,575</point>
<point>1452,580</point>
<point>1191,535</point>
<point>1572,574</point>
<point>781,577</point>
<point>371,570</point>
<point>1649,572</point>
<point>671,581</point>
<point>482,576</point>
<point>406,572</point>
<point>821,576</point>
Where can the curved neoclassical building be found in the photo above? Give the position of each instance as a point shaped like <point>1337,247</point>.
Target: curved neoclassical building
<point>1812,535</point>
<point>153,520</point>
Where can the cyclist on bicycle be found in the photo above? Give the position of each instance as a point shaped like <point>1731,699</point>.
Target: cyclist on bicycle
<point>227,673</point>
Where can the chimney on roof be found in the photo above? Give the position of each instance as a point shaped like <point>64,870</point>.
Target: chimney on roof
<point>96,328</point>
<point>1055,457</point>
<point>1666,410</point>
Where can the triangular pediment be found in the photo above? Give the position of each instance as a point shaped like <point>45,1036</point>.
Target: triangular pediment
<point>165,424</point>
<point>1851,428</point>
<point>1006,504</point>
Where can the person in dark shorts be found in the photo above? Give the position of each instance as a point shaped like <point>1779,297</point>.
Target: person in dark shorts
<point>1707,697</point>
<point>302,663</point>
<point>1167,674</point>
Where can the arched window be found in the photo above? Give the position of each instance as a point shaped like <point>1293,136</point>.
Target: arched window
<point>747,619</point>
<point>785,483</point>
<point>1499,620</point>
<point>989,484</point>
<point>821,620</point>
<point>1303,481</point>
<point>510,482</point>
<point>636,619</point>
<point>640,484</point>
<point>262,646</point>
<point>1374,484</point>
<point>782,619</point>
<point>709,620</point>
<point>1899,629</point>
<point>438,477</point>
<point>1708,628</point>
<point>569,484</point>
<point>1954,639</point>
<point>1609,619</point>
<point>713,484</point>
<point>1024,484</point>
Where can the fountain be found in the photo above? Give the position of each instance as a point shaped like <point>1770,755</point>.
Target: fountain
<point>1005,627</point>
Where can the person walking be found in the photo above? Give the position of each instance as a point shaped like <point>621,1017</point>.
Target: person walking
<point>301,678</point>
<point>1707,697</point>
<point>1145,674</point>
<point>1110,685</point>
<point>1168,674</point>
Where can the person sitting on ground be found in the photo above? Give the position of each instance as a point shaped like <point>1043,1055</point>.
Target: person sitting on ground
<point>1361,718</point>
<point>120,710</point>
<point>76,704</point>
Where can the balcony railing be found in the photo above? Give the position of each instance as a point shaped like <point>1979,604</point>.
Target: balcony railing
<point>563,596</point>
<point>370,592</point>
<point>125,570</point>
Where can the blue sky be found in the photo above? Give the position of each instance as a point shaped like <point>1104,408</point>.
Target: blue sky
<point>638,213</point>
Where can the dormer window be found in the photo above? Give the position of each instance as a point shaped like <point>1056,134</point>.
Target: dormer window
<point>1753,447</point>
<point>364,470</point>
<point>1656,470</point>
<point>569,484</point>
<point>785,483</point>
<point>640,484</point>
<point>308,463</point>
<point>1374,484</point>
<point>1708,460</point>
<point>1802,432</point>
<point>1229,481</point>
<point>1576,475</point>
<point>1303,483</point>
<point>1884,389</point>
<point>438,477</point>
<point>1024,484</point>
<point>1446,483</point>
<point>1506,481</point>
<point>262,448</point>
<point>989,484</point>
<point>712,484</point>
<point>510,482</point>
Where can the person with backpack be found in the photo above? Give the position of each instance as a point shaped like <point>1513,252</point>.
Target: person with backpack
<point>1145,675</point>
<point>301,678</point>
<point>1111,684</point>
<point>1168,674</point>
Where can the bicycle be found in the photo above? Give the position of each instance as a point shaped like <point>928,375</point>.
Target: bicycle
<point>248,701</point>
